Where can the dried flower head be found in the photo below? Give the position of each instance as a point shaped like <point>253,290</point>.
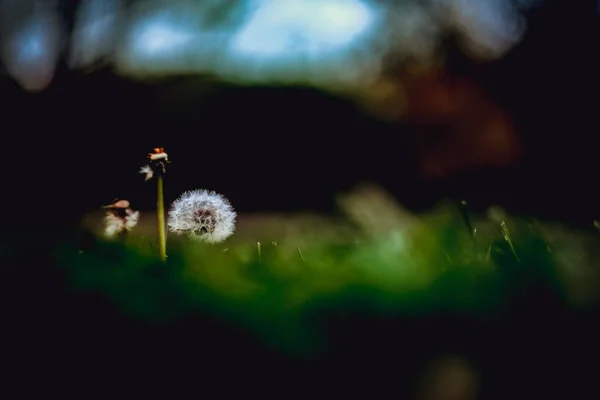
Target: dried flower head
<point>202,215</point>
<point>158,163</point>
<point>158,154</point>
<point>119,218</point>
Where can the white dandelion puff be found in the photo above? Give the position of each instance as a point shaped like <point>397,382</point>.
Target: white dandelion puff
<point>131,219</point>
<point>146,169</point>
<point>203,215</point>
<point>113,225</point>
<point>120,218</point>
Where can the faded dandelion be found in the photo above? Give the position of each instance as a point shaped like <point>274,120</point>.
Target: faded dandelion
<point>203,215</point>
<point>120,218</point>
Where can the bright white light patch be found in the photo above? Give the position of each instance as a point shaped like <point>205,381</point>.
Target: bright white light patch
<point>155,38</point>
<point>173,38</point>
<point>288,28</point>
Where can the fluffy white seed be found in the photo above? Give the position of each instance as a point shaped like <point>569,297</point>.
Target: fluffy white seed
<point>202,215</point>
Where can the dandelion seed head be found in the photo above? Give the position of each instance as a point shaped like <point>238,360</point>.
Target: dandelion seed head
<point>119,220</point>
<point>113,225</point>
<point>131,219</point>
<point>203,215</point>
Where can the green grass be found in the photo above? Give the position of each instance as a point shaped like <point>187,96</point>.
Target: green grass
<point>432,267</point>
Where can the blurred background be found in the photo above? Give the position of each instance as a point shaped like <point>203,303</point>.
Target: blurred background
<point>280,105</point>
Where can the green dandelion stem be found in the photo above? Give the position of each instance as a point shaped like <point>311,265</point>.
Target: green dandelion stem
<point>162,233</point>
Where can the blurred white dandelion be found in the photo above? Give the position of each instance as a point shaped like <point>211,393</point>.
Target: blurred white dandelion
<point>203,215</point>
<point>116,225</point>
<point>120,218</point>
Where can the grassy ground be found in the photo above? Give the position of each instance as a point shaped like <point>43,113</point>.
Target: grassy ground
<point>291,272</point>
<point>336,299</point>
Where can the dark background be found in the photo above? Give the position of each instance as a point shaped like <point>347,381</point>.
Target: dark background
<point>81,141</point>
